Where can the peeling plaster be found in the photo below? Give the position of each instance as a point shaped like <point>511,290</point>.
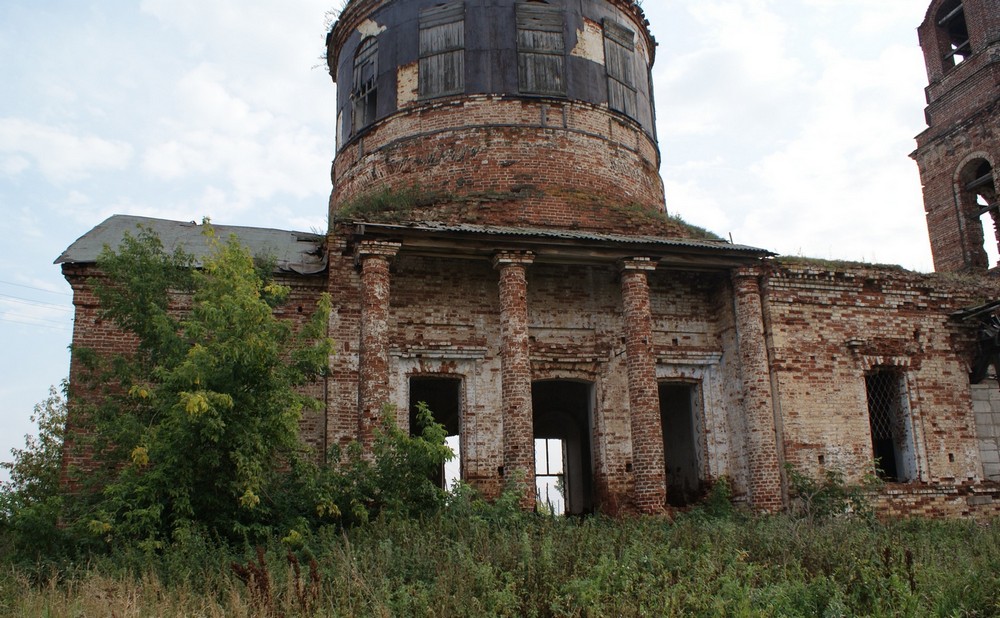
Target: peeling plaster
<point>590,42</point>
<point>407,84</point>
<point>370,27</point>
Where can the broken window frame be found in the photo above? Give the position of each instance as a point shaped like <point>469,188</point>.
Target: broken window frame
<point>441,65</point>
<point>890,424</point>
<point>364,93</point>
<point>619,63</point>
<point>953,32</point>
<point>541,49</point>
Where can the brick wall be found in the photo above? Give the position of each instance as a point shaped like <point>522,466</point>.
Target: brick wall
<point>445,320</point>
<point>831,326</point>
<point>508,161</point>
<point>956,233</point>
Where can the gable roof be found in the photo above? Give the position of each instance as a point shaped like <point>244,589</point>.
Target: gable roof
<point>294,252</point>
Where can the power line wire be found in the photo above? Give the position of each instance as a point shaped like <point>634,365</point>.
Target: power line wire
<point>21,285</point>
<point>51,325</point>
<point>36,303</point>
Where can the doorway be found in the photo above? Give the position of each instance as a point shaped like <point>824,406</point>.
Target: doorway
<point>564,478</point>
<point>681,446</point>
<point>443,396</point>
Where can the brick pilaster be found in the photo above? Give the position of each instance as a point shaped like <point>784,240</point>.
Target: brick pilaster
<point>515,370</point>
<point>764,479</point>
<point>643,396</point>
<point>373,392</point>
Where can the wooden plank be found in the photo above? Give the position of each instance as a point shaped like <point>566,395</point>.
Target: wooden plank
<point>619,34</point>
<point>444,14</point>
<point>540,17</point>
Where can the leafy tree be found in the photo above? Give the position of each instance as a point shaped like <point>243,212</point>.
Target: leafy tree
<point>199,426</point>
<point>30,503</point>
<point>34,470</point>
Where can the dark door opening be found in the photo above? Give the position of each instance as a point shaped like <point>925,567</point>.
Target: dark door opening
<point>443,397</point>
<point>680,443</point>
<point>563,460</point>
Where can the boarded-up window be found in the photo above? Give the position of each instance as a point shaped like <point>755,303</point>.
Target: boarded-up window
<point>541,49</point>
<point>365,90</point>
<point>619,58</point>
<point>442,50</point>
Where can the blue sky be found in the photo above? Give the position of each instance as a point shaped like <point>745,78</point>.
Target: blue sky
<point>786,123</point>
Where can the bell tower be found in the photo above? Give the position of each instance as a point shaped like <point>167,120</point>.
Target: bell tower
<point>959,152</point>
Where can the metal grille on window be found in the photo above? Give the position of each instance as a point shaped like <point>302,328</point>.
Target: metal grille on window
<point>442,50</point>
<point>364,93</point>
<point>619,59</point>
<point>887,419</point>
<point>541,49</point>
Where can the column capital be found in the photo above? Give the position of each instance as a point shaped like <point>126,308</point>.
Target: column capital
<point>507,258</point>
<point>644,264</point>
<point>377,248</point>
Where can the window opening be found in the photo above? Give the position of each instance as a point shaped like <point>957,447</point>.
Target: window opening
<point>563,459</point>
<point>619,60</point>
<point>681,447</point>
<point>541,49</point>
<point>364,94</point>
<point>955,33</point>
<point>979,200</point>
<point>442,50</point>
<point>443,397</point>
<point>889,420</point>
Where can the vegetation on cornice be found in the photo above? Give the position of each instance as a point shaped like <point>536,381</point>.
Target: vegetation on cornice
<point>388,204</point>
<point>693,231</point>
<point>837,265</point>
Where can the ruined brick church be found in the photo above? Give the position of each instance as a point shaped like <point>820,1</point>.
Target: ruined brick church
<point>499,248</point>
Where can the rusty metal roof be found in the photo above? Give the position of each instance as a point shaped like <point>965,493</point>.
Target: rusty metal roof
<point>296,252</point>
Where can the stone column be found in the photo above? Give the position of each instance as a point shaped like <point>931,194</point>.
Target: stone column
<point>643,394</point>
<point>764,475</point>
<point>373,369</point>
<point>515,371</point>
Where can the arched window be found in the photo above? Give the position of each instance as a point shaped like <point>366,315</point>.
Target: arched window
<point>364,94</point>
<point>978,196</point>
<point>953,33</point>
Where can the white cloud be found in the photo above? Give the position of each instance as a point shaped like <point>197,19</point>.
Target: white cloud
<point>62,156</point>
<point>216,133</point>
<point>12,165</point>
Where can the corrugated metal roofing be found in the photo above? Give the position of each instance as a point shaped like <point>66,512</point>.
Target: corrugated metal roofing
<point>297,252</point>
<point>563,234</point>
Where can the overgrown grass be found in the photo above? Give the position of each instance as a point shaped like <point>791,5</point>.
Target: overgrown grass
<point>500,563</point>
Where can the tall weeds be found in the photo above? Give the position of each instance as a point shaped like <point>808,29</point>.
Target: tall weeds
<point>524,565</point>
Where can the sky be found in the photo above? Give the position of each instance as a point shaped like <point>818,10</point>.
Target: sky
<point>786,124</point>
